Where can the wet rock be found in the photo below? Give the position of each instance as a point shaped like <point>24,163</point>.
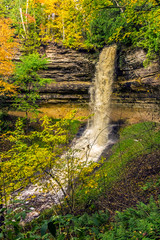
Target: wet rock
<point>31,215</point>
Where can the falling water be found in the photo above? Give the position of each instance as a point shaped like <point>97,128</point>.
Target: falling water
<point>89,147</point>
<point>95,138</point>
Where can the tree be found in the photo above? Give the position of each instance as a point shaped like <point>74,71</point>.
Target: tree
<point>132,22</point>
<point>27,16</point>
<point>63,23</point>
<point>32,16</point>
<point>8,47</point>
<point>28,81</point>
<point>7,50</point>
<point>86,23</point>
<point>36,155</point>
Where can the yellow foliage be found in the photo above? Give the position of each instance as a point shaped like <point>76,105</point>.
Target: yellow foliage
<point>7,50</point>
<point>6,88</point>
<point>66,21</point>
<point>7,47</point>
<point>37,154</point>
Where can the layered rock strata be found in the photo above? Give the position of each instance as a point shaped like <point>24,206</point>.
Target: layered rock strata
<point>71,72</point>
<point>136,88</point>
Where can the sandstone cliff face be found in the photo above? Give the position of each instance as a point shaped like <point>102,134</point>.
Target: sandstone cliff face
<point>135,89</point>
<point>132,73</point>
<point>71,72</point>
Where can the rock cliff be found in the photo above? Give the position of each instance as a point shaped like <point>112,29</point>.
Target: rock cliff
<point>135,89</point>
<point>71,72</point>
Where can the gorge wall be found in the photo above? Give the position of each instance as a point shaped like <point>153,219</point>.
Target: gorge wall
<point>72,73</point>
<point>135,90</point>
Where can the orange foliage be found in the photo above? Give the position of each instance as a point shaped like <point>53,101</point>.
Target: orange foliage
<point>8,48</point>
<point>6,88</point>
<point>30,18</point>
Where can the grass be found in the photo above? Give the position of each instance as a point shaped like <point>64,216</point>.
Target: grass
<point>135,140</point>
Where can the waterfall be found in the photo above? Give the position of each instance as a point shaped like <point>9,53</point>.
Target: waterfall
<point>95,138</point>
<point>90,145</point>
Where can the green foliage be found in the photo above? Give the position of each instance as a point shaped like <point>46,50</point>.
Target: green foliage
<point>141,223</point>
<point>135,140</point>
<point>136,23</point>
<point>13,226</point>
<point>85,24</point>
<point>79,227</point>
<point>103,26</point>
<point>36,154</point>
<point>28,80</point>
<point>33,20</point>
<point>149,185</point>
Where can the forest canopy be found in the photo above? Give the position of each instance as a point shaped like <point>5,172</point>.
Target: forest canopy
<point>85,23</point>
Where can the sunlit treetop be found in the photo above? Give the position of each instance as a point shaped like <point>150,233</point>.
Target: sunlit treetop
<point>8,47</point>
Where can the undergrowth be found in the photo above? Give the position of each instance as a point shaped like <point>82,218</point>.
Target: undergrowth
<point>140,223</point>
<point>135,140</point>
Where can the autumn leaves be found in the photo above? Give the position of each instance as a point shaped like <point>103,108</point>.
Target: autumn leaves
<point>8,47</point>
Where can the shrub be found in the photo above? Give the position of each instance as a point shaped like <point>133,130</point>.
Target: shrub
<point>140,223</point>
<point>79,227</point>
